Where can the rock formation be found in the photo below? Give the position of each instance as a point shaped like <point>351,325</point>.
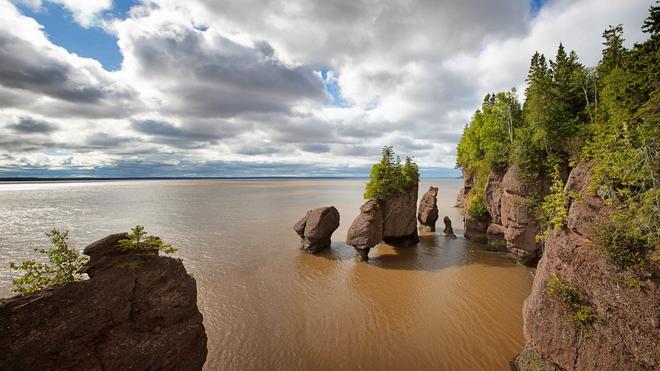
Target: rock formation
<point>626,333</point>
<point>520,225</point>
<point>399,219</point>
<point>475,229</point>
<point>493,198</point>
<point>460,198</point>
<point>448,231</point>
<point>366,230</point>
<point>428,209</point>
<point>316,228</point>
<point>137,311</point>
<point>510,224</point>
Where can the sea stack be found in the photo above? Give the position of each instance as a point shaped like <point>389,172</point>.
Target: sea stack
<point>136,311</point>
<point>448,231</point>
<point>399,219</point>
<point>316,227</point>
<point>366,230</point>
<point>428,210</point>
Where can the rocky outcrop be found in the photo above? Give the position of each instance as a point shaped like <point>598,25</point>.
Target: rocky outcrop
<point>316,227</point>
<point>475,229</point>
<point>137,311</point>
<point>495,237</point>
<point>366,230</point>
<point>448,231</point>
<point>520,225</point>
<point>428,209</point>
<point>460,198</point>
<point>626,332</point>
<point>399,219</point>
<point>493,196</point>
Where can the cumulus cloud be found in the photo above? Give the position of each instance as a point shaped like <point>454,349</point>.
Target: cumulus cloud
<point>251,86</point>
<point>49,75</point>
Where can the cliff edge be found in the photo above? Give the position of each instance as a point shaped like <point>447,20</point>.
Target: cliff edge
<point>138,311</point>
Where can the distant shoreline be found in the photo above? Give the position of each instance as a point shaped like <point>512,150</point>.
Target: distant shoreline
<point>37,179</point>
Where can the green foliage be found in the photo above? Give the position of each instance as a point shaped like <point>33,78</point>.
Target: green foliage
<point>621,246</point>
<point>389,176</point>
<point>488,137</point>
<point>139,239</point>
<point>477,207</point>
<point>584,314</point>
<point>62,266</point>
<point>552,211</point>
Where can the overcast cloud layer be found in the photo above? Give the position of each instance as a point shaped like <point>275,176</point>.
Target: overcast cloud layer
<point>273,87</point>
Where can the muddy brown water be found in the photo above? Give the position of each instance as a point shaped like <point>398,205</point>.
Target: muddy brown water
<point>445,304</point>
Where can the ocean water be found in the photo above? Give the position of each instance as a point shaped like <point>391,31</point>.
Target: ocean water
<point>445,304</point>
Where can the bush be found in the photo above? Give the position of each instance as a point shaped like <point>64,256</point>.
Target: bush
<point>574,298</point>
<point>139,239</point>
<point>623,247</point>
<point>389,176</point>
<point>477,207</point>
<point>552,211</point>
<point>63,265</point>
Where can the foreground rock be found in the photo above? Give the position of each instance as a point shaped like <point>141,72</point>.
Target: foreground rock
<point>626,331</point>
<point>137,311</point>
<point>399,219</point>
<point>428,209</point>
<point>316,227</point>
<point>448,231</point>
<point>366,230</point>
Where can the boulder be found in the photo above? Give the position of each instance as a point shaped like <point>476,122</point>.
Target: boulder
<point>366,230</point>
<point>137,310</point>
<point>448,231</point>
<point>520,225</point>
<point>428,209</point>
<point>495,237</point>
<point>399,219</point>
<point>475,229</point>
<point>316,227</point>
<point>625,335</point>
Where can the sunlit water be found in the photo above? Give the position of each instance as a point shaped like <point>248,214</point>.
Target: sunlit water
<point>445,304</point>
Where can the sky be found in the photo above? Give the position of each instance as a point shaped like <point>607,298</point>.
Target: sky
<point>139,88</point>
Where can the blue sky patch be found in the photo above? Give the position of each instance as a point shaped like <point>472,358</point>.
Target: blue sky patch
<point>333,89</point>
<point>536,5</point>
<point>92,42</point>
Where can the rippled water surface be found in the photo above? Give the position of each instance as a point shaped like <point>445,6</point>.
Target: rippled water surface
<point>445,304</point>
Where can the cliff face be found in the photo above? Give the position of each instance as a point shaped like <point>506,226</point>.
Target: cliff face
<point>509,223</point>
<point>399,218</point>
<point>519,223</point>
<point>625,332</point>
<point>137,311</point>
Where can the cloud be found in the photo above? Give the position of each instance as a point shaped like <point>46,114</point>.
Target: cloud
<point>274,86</point>
<point>207,74</point>
<point>31,65</point>
<point>29,125</point>
<point>85,12</point>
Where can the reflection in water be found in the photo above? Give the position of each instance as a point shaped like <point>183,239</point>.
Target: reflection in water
<point>444,304</point>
